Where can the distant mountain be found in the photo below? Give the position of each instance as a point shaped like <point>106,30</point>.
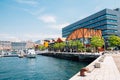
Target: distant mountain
<point>38,42</point>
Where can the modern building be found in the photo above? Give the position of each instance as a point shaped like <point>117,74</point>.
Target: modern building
<point>107,20</point>
<point>18,45</point>
<point>84,35</point>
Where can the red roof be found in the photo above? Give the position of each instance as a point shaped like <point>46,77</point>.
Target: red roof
<point>59,40</point>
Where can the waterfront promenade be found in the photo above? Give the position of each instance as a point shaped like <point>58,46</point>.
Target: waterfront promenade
<point>109,70</point>
<point>117,61</point>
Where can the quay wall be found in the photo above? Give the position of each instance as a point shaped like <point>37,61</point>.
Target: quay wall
<point>68,56</point>
<point>71,56</point>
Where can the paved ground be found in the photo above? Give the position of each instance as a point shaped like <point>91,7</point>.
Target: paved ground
<point>117,60</point>
<point>108,70</point>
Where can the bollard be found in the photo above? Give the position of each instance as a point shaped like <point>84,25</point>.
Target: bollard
<point>83,70</point>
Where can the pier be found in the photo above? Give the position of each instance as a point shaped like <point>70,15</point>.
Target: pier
<point>109,69</point>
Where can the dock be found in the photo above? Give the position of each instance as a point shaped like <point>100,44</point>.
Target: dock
<point>109,69</point>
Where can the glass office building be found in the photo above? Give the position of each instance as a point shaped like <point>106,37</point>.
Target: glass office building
<point>107,20</point>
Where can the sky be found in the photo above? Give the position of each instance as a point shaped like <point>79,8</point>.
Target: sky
<point>22,20</point>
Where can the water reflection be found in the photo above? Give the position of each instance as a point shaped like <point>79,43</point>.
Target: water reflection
<point>31,61</point>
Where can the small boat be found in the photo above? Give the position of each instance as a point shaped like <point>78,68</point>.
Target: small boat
<point>0,55</point>
<point>31,53</point>
<point>21,54</point>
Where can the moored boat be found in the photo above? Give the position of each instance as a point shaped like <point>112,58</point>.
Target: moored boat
<point>31,53</point>
<point>21,54</point>
<point>0,55</point>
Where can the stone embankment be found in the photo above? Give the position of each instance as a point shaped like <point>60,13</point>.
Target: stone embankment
<point>73,56</point>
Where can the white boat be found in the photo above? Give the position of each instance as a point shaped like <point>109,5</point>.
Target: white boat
<point>2,53</point>
<point>31,53</point>
<point>21,54</point>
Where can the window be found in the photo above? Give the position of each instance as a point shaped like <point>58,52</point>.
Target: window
<point>111,16</point>
<point>111,20</point>
<point>111,26</point>
<point>101,27</point>
<point>105,36</point>
<point>110,31</point>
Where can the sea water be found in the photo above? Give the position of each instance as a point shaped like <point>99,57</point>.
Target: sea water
<point>39,68</point>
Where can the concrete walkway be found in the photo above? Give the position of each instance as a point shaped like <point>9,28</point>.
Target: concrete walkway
<point>117,60</point>
<point>108,71</point>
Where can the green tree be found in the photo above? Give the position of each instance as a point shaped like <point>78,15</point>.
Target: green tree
<point>59,46</point>
<point>76,44</point>
<point>41,47</point>
<point>62,45</point>
<point>97,42</point>
<point>114,41</point>
<point>80,46</point>
<point>70,43</point>
<point>56,46</point>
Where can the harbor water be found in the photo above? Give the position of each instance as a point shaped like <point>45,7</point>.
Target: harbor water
<point>39,68</point>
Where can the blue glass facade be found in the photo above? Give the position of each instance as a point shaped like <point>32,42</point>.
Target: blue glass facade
<point>107,20</point>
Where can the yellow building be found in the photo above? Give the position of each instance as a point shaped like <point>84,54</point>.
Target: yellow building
<point>46,44</point>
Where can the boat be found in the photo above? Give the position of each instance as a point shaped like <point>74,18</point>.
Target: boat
<point>21,54</point>
<point>31,53</point>
<point>2,53</point>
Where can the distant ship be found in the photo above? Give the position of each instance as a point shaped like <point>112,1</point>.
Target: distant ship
<point>31,53</point>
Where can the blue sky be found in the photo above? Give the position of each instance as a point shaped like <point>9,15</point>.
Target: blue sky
<point>39,19</point>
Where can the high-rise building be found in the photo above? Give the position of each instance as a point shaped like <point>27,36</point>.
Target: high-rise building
<point>107,20</point>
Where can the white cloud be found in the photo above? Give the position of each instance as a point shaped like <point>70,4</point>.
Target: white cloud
<point>9,37</point>
<point>38,11</point>
<point>25,37</point>
<point>47,19</point>
<point>58,26</point>
<point>35,12</point>
<point>41,36</point>
<point>30,2</point>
